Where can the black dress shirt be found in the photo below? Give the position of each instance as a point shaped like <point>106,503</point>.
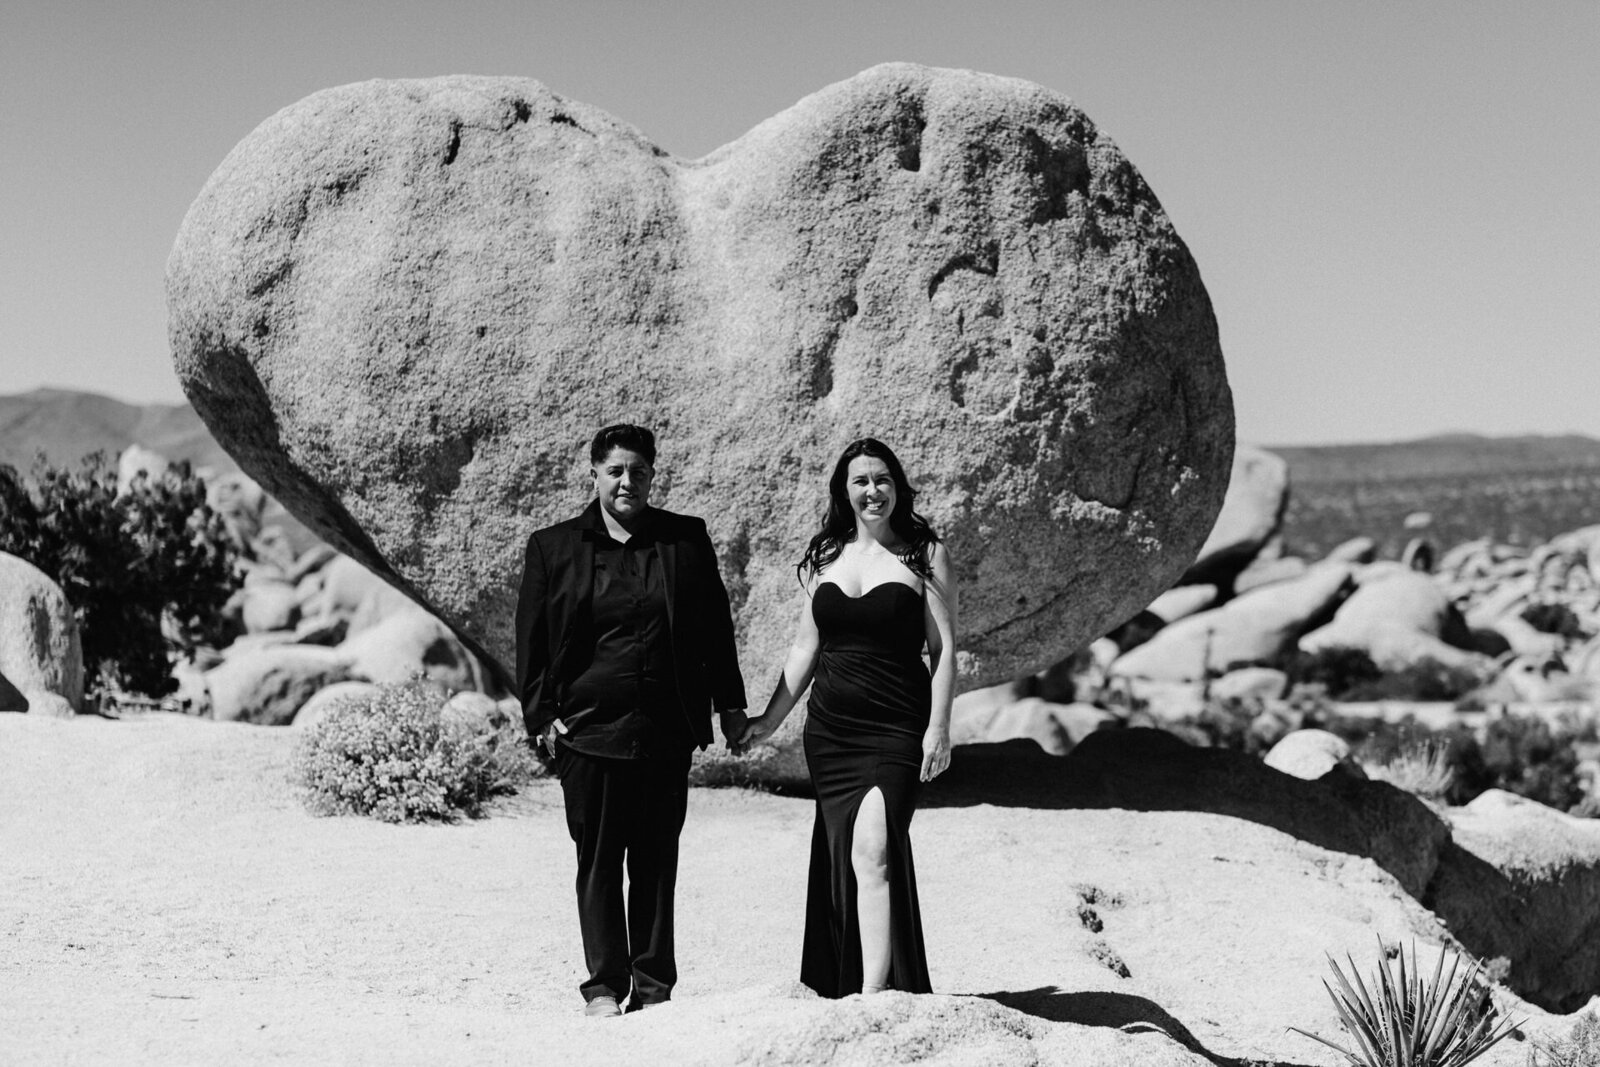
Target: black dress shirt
<point>625,703</point>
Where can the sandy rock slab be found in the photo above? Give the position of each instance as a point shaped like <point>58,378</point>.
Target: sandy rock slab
<point>178,905</point>
<point>405,306</point>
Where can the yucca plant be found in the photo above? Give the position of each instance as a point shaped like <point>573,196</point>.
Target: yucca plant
<point>1407,1021</point>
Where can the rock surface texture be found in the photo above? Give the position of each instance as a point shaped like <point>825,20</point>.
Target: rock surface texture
<point>404,307</point>
<point>41,658</point>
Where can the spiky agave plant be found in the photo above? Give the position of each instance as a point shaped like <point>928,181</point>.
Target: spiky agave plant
<point>1407,1021</point>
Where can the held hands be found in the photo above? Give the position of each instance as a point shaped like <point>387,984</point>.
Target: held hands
<point>758,730</point>
<point>935,752</point>
<point>735,729</point>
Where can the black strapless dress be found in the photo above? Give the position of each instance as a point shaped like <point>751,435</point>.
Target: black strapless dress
<point>870,702</point>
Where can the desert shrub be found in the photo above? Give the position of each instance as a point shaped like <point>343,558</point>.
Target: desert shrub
<point>1421,768</point>
<point>1338,669</point>
<point>1403,1018</point>
<point>1554,618</point>
<point>396,758</point>
<point>1522,754</point>
<point>1526,755</point>
<point>1579,1048</point>
<point>1350,674</point>
<point>146,573</point>
<point>1427,679</point>
<point>1219,724</point>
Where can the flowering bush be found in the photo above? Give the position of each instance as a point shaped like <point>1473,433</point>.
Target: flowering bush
<point>396,758</point>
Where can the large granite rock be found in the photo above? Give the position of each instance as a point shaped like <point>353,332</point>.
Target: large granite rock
<point>41,656</point>
<point>1522,881</point>
<point>405,306</point>
<point>1252,512</point>
<point>1250,629</point>
<point>409,644</point>
<point>1400,618</point>
<point>268,686</point>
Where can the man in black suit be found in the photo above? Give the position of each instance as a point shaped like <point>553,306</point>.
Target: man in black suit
<point>624,647</point>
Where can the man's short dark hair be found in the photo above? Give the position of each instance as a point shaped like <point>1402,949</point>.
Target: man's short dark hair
<point>623,435</point>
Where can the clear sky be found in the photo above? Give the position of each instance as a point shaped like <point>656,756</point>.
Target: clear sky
<point>1395,206</point>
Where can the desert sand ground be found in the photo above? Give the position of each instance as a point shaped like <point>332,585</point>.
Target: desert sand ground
<point>165,899</point>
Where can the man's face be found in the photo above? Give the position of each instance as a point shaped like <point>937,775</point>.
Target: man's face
<point>622,484</point>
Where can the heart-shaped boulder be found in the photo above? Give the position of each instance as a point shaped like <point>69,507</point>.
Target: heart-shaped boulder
<point>405,306</point>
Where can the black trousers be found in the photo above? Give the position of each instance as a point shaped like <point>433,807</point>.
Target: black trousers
<point>626,811</point>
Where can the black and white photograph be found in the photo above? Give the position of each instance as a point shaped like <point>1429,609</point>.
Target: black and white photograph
<point>722,533</point>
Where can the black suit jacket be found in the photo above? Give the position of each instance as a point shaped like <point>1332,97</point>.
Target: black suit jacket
<point>555,618</point>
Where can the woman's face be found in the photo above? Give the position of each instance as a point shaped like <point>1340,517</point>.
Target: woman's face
<point>622,483</point>
<point>870,487</point>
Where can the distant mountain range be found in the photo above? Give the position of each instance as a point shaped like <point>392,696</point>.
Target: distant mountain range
<point>66,426</point>
<point>1516,489</point>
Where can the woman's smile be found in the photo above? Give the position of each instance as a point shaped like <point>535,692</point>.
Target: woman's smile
<point>871,487</point>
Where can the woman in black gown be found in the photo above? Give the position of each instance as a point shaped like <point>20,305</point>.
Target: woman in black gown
<point>879,587</point>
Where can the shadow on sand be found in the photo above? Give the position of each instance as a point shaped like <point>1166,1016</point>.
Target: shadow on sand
<point>1151,770</point>
<point>1118,1011</point>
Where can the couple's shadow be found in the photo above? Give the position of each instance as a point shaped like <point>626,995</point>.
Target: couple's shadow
<point>1119,1011</point>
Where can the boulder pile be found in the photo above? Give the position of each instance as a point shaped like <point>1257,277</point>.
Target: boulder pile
<point>323,623</point>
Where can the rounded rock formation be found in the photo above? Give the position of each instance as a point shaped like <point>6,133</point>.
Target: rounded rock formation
<point>1252,512</point>
<point>41,657</point>
<point>405,306</point>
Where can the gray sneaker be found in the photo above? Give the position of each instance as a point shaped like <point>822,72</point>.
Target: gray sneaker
<point>602,1007</point>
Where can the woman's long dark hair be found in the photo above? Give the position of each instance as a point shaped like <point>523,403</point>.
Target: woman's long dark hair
<point>839,523</point>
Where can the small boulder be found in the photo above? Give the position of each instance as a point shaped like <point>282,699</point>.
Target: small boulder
<point>240,501</point>
<point>327,698</point>
<point>268,686</point>
<point>310,562</point>
<point>409,643</point>
<point>1182,601</point>
<point>1356,550</point>
<point>1585,660</point>
<point>1251,685</point>
<point>1419,555</point>
<point>267,606</point>
<point>1310,754</point>
<point>322,630</point>
<point>478,712</point>
<point>1507,598</point>
<point>273,546</point>
<point>1527,640</point>
<point>191,693</point>
<point>1262,572</point>
<point>41,655</point>
<point>1252,511</point>
<point>1398,617</point>
<point>353,592</point>
<point>138,461</point>
<point>245,644</point>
